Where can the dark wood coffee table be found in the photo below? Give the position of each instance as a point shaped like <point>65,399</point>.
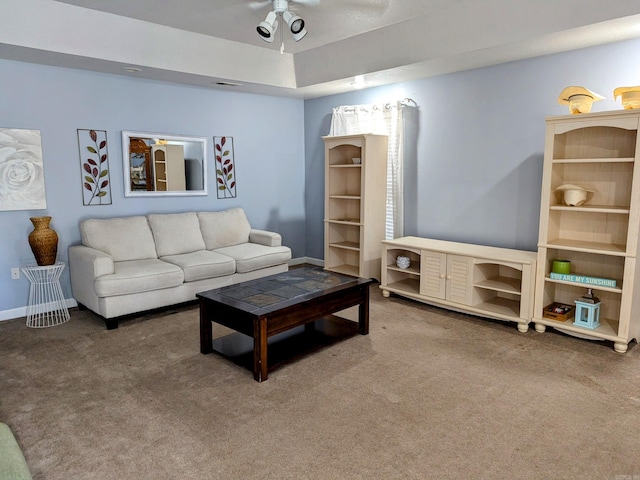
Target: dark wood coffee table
<point>269,306</point>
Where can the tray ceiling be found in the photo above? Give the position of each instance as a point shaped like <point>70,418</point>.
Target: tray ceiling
<point>214,42</point>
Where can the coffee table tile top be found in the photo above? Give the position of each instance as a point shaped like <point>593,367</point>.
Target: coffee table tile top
<point>287,286</point>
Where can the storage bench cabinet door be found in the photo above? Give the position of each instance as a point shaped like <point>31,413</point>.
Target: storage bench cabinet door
<point>446,277</point>
<point>460,279</point>
<point>433,274</point>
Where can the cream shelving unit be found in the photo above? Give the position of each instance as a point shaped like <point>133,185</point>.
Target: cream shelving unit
<point>600,237</point>
<point>168,167</point>
<point>355,198</point>
<point>486,281</point>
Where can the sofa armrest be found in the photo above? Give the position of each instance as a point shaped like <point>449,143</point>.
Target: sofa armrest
<point>85,265</point>
<point>93,263</point>
<point>262,237</point>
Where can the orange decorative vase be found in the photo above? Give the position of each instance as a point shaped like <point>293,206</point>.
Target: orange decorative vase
<point>43,241</point>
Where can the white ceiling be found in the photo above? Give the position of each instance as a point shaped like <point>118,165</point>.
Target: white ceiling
<point>205,42</point>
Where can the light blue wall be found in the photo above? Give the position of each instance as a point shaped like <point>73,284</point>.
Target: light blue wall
<point>268,134</point>
<point>475,175</point>
<point>477,171</point>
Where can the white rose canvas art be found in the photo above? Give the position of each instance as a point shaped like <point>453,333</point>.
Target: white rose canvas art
<point>21,170</point>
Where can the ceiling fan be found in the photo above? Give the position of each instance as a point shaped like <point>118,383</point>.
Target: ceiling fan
<point>263,3</point>
<point>267,28</point>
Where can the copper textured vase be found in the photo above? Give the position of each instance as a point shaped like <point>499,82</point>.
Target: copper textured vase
<point>43,241</point>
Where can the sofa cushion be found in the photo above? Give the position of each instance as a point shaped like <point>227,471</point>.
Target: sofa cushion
<point>138,276</point>
<point>223,229</point>
<point>202,264</point>
<point>124,238</point>
<point>176,233</point>
<point>251,256</point>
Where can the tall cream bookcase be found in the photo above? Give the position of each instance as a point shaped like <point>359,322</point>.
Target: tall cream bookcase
<point>168,167</point>
<point>354,206</point>
<point>599,151</point>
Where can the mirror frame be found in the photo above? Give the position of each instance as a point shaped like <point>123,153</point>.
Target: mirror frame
<point>126,164</point>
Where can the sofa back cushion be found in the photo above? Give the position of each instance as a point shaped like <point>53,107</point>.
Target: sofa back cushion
<point>176,233</point>
<point>223,229</point>
<point>124,238</point>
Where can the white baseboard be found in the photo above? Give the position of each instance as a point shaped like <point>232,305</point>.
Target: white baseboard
<point>311,261</point>
<point>21,312</point>
<point>70,302</point>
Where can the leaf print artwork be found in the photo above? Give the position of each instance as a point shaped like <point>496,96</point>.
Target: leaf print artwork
<point>225,168</point>
<point>96,187</point>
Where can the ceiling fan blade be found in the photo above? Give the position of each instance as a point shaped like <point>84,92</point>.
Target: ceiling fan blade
<point>367,4</point>
<point>306,2</point>
<point>255,5</point>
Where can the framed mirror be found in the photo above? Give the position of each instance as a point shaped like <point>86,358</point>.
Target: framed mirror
<point>159,164</point>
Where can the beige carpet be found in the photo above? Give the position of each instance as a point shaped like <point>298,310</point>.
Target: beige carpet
<point>428,394</point>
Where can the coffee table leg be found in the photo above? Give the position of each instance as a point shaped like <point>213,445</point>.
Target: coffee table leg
<point>260,356</point>
<point>206,330</point>
<point>363,312</point>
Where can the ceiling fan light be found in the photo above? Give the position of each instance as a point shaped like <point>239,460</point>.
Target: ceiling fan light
<point>300,35</point>
<point>296,24</point>
<point>268,27</point>
<point>265,31</point>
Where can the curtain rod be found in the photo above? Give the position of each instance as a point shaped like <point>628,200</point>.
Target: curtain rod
<point>405,102</point>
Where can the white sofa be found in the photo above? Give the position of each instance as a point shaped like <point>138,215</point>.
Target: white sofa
<point>132,264</point>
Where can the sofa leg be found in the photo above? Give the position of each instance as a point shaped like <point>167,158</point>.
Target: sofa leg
<point>111,323</point>
<point>81,307</point>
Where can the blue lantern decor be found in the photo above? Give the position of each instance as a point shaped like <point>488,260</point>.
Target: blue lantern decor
<point>587,311</point>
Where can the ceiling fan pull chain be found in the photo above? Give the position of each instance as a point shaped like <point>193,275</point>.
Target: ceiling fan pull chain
<point>281,39</point>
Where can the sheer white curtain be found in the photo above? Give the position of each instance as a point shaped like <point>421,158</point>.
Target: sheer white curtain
<point>383,119</point>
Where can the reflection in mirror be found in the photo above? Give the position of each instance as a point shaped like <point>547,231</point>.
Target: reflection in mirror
<point>157,164</point>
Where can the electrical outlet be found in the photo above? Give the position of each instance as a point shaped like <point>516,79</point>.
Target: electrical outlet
<point>15,273</point>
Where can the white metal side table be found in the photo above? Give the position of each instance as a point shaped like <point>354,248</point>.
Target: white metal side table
<point>46,301</point>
